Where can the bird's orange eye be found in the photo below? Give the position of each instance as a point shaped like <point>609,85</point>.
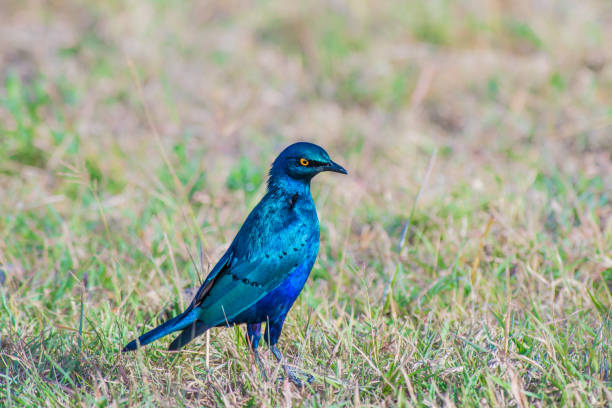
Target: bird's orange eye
<point>304,162</point>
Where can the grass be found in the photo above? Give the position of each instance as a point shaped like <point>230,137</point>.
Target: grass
<point>133,135</point>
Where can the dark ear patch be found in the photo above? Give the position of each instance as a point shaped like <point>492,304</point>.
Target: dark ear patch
<point>293,201</point>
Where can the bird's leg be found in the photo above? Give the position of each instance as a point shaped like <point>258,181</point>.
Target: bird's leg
<point>292,373</point>
<point>273,331</point>
<point>260,365</point>
<point>253,336</point>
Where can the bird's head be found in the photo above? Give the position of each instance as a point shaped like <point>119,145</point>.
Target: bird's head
<point>302,161</point>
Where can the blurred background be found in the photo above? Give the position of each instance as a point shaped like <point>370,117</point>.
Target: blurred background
<point>131,131</point>
<point>499,87</point>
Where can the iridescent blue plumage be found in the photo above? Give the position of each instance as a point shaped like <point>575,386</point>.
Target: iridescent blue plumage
<point>263,271</point>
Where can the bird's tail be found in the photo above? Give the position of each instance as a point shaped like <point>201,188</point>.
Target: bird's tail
<point>177,323</point>
<point>188,334</point>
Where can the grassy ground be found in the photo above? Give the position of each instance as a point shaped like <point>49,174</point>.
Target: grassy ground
<point>134,133</point>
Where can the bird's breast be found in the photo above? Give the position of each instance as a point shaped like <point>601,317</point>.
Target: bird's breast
<point>280,224</point>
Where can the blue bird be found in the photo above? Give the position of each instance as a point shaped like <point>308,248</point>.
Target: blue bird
<point>264,269</point>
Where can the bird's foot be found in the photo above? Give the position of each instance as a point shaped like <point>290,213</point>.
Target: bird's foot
<point>294,375</point>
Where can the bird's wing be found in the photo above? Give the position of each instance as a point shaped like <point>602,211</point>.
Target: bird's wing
<point>245,281</point>
<point>210,279</point>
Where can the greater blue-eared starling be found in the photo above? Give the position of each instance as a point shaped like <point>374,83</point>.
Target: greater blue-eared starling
<point>264,269</point>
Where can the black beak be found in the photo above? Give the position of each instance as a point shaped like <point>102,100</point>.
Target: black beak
<point>335,167</point>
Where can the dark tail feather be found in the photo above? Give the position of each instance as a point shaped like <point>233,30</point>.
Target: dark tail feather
<point>177,323</point>
<point>189,333</point>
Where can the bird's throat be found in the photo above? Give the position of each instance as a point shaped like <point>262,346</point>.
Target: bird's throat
<point>289,186</point>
